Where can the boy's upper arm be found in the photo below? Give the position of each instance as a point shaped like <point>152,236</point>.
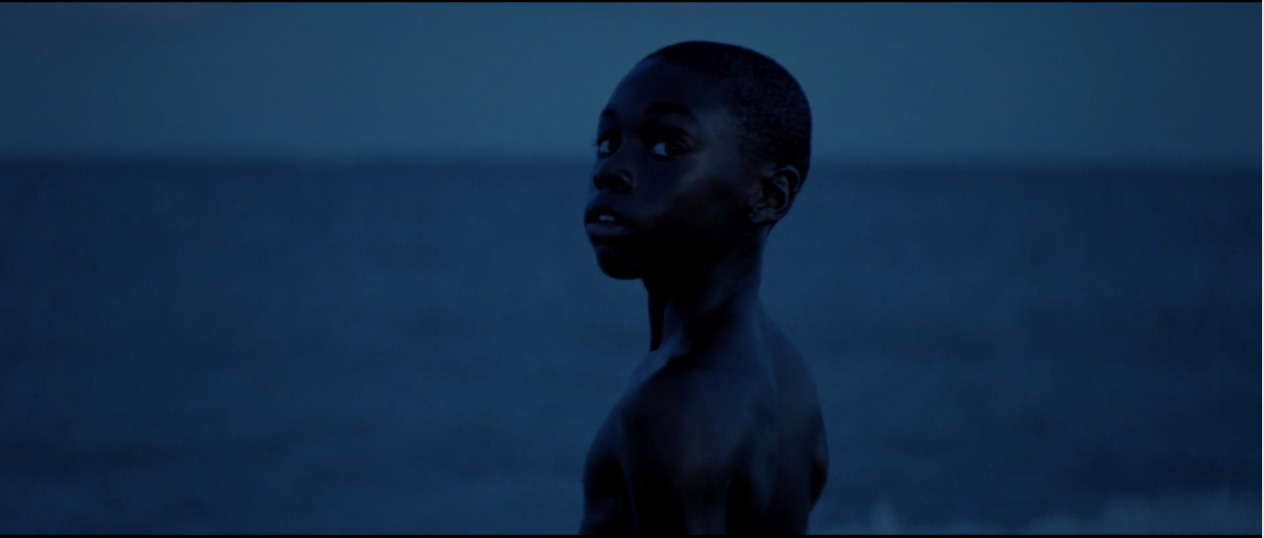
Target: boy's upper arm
<point>677,457</point>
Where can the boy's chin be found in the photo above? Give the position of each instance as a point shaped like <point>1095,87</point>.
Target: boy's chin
<point>616,265</point>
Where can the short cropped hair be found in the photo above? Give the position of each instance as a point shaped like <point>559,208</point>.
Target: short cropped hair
<point>767,101</point>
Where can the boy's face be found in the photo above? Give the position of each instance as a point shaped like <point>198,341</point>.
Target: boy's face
<point>669,171</point>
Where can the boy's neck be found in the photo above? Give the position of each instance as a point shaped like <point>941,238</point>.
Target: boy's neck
<point>696,300</point>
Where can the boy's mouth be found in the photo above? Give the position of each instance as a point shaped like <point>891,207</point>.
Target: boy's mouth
<point>604,223</point>
<point>604,215</point>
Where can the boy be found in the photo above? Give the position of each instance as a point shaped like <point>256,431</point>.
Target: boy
<point>700,151</point>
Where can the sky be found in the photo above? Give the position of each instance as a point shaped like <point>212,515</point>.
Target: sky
<point>1128,83</point>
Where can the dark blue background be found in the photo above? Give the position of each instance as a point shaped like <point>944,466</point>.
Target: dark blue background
<point>320,268</point>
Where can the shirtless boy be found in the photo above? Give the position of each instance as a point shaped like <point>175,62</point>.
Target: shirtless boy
<point>701,149</point>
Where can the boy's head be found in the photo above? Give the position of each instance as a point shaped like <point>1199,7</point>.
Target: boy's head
<point>701,149</point>
<point>767,101</point>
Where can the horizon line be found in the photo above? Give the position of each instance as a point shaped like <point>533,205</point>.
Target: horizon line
<point>292,159</point>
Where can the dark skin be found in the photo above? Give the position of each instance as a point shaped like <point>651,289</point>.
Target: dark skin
<point>720,430</point>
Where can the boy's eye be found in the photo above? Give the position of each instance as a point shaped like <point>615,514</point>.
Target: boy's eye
<point>667,149</point>
<point>604,146</point>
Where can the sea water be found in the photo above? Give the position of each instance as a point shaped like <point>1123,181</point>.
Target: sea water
<point>429,348</point>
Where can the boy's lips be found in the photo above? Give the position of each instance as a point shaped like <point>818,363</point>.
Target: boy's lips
<point>598,231</point>
<point>602,222</point>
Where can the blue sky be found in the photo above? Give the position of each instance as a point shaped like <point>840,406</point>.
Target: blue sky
<point>1040,82</point>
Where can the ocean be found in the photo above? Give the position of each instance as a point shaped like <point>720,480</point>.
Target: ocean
<point>281,347</point>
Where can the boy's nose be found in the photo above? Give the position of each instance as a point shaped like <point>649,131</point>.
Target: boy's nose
<point>612,176</point>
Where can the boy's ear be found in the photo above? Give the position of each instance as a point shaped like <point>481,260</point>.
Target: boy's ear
<point>777,189</point>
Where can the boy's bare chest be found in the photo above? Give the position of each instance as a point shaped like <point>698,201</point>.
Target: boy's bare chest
<point>607,507</point>
<point>601,469</point>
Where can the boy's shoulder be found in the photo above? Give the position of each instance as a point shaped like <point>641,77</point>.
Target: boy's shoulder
<point>695,401</point>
